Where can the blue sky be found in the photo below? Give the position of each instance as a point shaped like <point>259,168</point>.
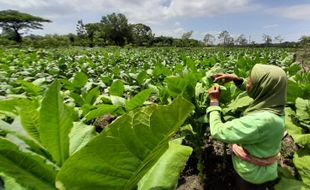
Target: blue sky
<point>253,18</point>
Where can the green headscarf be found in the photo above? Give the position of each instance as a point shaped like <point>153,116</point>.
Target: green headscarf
<point>269,89</point>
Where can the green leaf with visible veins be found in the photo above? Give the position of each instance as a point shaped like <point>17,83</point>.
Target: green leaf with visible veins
<point>122,154</point>
<point>302,163</point>
<point>55,124</point>
<point>30,120</point>
<point>100,110</point>
<point>29,170</point>
<point>30,88</point>
<point>303,109</point>
<point>138,99</point>
<point>80,135</point>
<point>295,131</point>
<point>165,173</point>
<point>15,129</point>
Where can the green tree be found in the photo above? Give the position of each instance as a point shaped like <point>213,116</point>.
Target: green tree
<point>230,41</point>
<point>163,41</point>
<point>15,21</point>
<point>304,40</point>
<point>267,39</point>
<point>93,31</point>
<point>225,37</point>
<point>241,40</point>
<point>8,33</point>
<point>209,39</point>
<point>116,28</point>
<point>187,35</point>
<point>278,39</point>
<point>142,34</point>
<point>80,29</point>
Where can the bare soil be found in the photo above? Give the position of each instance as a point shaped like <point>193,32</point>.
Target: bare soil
<point>302,57</point>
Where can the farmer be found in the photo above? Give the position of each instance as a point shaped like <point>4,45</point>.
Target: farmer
<point>255,137</point>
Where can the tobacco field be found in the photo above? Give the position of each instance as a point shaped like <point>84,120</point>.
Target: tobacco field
<point>119,118</point>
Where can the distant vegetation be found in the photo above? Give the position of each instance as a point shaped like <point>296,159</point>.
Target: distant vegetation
<point>13,22</point>
<point>114,29</point>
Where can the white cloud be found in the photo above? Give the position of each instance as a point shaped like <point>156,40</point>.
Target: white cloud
<point>213,32</point>
<point>179,30</point>
<point>154,11</point>
<point>23,4</point>
<point>48,9</point>
<point>175,32</point>
<point>270,26</point>
<point>150,11</point>
<point>196,8</point>
<point>298,12</point>
<point>166,17</point>
<point>159,14</point>
<point>177,24</point>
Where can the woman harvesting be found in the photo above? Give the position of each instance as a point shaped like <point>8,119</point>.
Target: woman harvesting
<point>255,137</point>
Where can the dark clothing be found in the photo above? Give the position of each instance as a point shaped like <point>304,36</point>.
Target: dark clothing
<point>1,184</point>
<point>241,184</point>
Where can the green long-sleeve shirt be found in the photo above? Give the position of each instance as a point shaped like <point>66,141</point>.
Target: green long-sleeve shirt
<point>260,133</point>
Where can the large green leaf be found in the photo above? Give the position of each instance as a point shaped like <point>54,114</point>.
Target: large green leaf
<point>288,181</point>
<point>100,110</point>
<point>120,156</point>
<point>161,69</point>
<point>10,183</point>
<point>302,140</point>
<point>29,115</point>
<point>29,170</point>
<point>303,109</point>
<point>302,163</point>
<point>11,105</point>
<point>117,88</point>
<point>290,184</point>
<point>80,135</point>
<point>30,120</point>
<point>184,85</point>
<point>238,105</point>
<point>217,68</point>
<point>77,99</point>
<point>92,96</point>
<point>293,91</point>
<point>79,80</point>
<point>296,132</point>
<point>165,173</point>
<point>141,77</point>
<point>18,131</point>
<point>138,99</point>
<point>30,88</point>
<point>291,128</point>
<point>118,101</point>
<point>176,85</point>
<point>55,124</point>
<point>106,80</point>
<point>293,69</point>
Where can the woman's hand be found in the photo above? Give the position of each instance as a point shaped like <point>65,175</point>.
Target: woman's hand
<point>214,93</point>
<point>226,77</point>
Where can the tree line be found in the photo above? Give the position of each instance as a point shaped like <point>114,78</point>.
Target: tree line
<point>114,29</point>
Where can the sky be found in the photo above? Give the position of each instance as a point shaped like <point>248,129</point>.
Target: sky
<point>253,18</point>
